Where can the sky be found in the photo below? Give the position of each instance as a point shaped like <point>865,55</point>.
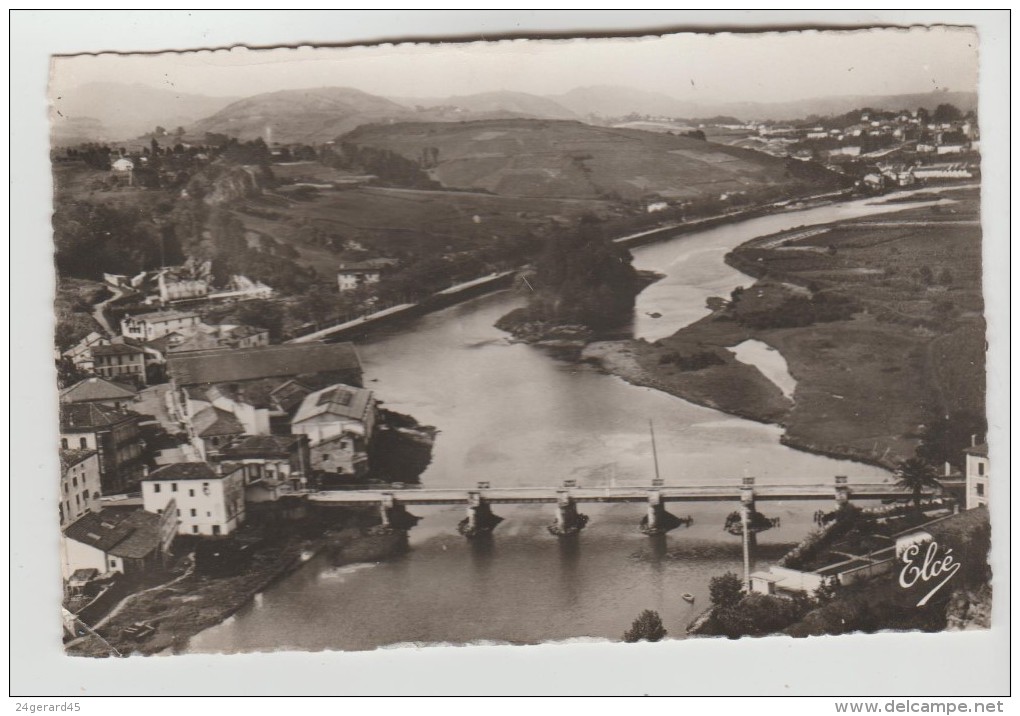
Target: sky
<point>767,67</point>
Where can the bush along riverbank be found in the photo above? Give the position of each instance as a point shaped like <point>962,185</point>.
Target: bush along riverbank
<point>228,573</point>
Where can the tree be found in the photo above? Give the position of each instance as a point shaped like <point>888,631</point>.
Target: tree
<point>946,113</point>
<point>725,590</point>
<point>944,439</point>
<point>647,627</point>
<point>916,475</point>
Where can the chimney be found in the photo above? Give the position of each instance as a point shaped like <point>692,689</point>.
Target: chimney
<point>973,440</point>
<point>949,469</point>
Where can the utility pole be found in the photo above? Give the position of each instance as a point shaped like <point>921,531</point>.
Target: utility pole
<point>655,454</point>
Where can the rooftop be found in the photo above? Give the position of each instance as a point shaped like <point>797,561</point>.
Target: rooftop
<point>161,316</point>
<point>198,342</point>
<point>980,450</point>
<point>78,417</point>
<point>123,533</point>
<point>183,471</point>
<point>70,458</point>
<point>256,446</point>
<point>96,389</point>
<point>236,365</point>
<point>342,400</point>
<point>368,265</point>
<point>212,421</point>
<point>116,349</point>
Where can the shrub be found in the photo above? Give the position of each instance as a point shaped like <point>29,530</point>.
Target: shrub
<point>725,590</point>
<point>647,627</point>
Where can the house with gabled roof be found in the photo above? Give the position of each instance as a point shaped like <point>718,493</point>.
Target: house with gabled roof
<point>268,462</point>
<point>117,541</point>
<point>339,422</point>
<point>101,391</point>
<point>122,362</point>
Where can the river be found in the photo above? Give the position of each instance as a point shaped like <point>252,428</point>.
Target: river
<point>512,415</point>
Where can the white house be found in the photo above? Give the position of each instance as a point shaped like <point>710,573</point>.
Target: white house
<point>80,354</point>
<point>205,502</point>
<point>80,487</point>
<point>977,475</point>
<point>175,289</point>
<point>351,276</point>
<point>149,326</point>
<point>123,165</point>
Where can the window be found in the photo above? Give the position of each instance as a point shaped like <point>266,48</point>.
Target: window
<point>173,487</point>
<point>83,443</point>
<point>77,500</point>
<point>980,489</point>
<point>208,514</point>
<point>74,481</point>
<point>178,513</point>
<point>194,512</point>
<point>215,529</point>
<point>981,468</point>
<point>66,490</point>
<point>194,529</point>
<point>63,443</point>
<point>157,487</point>
<point>191,493</point>
<point>113,563</point>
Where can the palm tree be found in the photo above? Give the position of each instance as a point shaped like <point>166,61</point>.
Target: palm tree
<point>916,475</point>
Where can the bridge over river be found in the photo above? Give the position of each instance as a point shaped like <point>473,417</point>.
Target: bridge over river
<point>656,521</point>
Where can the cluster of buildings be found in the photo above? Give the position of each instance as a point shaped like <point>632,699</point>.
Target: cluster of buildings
<point>191,283</point>
<point>867,565</point>
<point>260,422</point>
<point>147,340</point>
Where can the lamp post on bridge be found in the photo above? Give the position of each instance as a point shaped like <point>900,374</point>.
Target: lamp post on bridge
<point>749,539</point>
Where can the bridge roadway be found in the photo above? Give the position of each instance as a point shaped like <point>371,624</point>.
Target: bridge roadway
<point>668,493</point>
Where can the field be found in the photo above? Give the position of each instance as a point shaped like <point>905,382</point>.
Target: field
<point>907,347</point>
<point>391,222</point>
<point>569,159</point>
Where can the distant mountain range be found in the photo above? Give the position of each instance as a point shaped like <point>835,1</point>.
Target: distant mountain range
<point>112,111</point>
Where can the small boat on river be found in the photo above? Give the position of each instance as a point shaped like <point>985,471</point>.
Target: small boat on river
<point>687,597</point>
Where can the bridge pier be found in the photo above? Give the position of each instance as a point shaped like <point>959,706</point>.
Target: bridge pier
<point>842,491</point>
<point>568,520</point>
<point>394,516</point>
<point>479,521</point>
<point>749,538</point>
<point>657,521</point>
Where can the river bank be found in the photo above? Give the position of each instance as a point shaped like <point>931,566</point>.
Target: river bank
<point>200,600</point>
<point>864,313</point>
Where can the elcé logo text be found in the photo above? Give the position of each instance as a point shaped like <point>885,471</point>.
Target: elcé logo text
<point>922,563</point>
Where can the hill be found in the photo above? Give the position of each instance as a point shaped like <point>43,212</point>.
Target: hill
<point>523,157</point>
<point>108,111</point>
<point>305,115</point>
<point>319,115</point>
